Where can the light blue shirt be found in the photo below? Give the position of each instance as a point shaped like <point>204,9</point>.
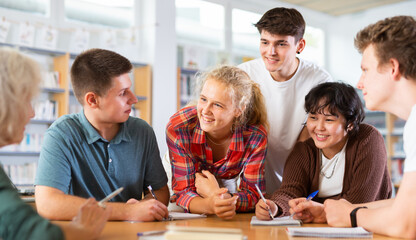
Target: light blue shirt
<point>77,160</point>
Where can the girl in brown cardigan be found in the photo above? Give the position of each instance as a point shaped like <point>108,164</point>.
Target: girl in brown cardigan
<point>344,158</point>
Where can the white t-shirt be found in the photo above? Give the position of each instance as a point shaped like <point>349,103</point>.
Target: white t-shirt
<point>285,109</point>
<point>331,178</point>
<point>409,142</point>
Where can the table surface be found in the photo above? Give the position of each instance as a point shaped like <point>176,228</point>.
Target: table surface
<point>129,230</point>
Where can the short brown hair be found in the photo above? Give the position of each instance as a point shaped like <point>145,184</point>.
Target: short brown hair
<point>282,21</point>
<point>392,38</point>
<point>94,69</point>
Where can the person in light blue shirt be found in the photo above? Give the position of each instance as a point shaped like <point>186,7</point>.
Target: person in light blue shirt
<point>102,148</point>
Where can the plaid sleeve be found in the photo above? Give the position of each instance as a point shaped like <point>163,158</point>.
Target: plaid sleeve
<point>253,173</point>
<point>183,171</point>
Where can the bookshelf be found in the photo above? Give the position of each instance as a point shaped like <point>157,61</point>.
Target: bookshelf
<point>54,101</point>
<point>185,86</point>
<point>394,145</point>
<point>391,128</point>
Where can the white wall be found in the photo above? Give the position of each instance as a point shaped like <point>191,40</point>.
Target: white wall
<point>343,60</point>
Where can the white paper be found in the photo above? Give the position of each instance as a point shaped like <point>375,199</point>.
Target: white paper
<point>329,232</point>
<point>279,221</point>
<point>182,216</point>
<point>48,38</point>
<point>4,30</point>
<point>26,34</point>
<point>79,41</point>
<point>108,39</point>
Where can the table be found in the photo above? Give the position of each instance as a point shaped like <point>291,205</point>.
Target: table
<point>128,230</point>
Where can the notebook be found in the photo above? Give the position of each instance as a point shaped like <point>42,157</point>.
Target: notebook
<point>182,216</point>
<point>329,232</point>
<point>202,233</point>
<point>279,221</point>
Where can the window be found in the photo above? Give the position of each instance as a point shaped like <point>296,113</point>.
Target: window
<point>246,38</point>
<point>40,7</point>
<point>315,42</point>
<point>199,22</point>
<point>111,13</point>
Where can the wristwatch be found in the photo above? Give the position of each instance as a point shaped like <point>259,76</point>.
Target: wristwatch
<point>353,216</point>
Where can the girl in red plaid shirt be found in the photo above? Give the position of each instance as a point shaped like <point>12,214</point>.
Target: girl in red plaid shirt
<point>218,142</point>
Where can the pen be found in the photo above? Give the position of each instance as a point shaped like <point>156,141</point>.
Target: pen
<point>312,195</point>
<point>110,196</point>
<point>262,197</point>
<point>151,191</point>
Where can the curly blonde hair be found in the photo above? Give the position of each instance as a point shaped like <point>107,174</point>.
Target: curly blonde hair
<point>19,80</point>
<point>244,92</point>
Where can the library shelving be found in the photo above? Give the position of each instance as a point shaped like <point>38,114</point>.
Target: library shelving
<point>185,86</point>
<point>391,128</point>
<point>56,100</point>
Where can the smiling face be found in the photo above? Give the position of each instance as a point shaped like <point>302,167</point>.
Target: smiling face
<point>116,105</point>
<point>374,81</point>
<point>216,112</point>
<point>279,53</point>
<point>327,131</point>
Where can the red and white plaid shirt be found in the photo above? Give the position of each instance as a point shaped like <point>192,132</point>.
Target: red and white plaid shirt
<point>189,153</point>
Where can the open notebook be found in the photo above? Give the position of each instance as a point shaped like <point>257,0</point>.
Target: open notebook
<point>329,232</point>
<point>279,221</point>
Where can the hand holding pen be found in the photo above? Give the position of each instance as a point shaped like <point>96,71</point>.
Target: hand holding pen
<point>260,207</point>
<point>306,209</point>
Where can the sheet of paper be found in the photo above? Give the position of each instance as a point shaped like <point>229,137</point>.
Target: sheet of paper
<point>279,221</point>
<point>329,232</point>
<point>182,216</point>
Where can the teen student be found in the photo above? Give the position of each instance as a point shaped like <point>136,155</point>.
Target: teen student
<point>284,81</point>
<point>218,142</point>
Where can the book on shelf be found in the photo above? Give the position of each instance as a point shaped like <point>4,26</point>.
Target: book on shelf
<point>31,142</point>
<point>21,174</point>
<point>46,110</point>
<point>50,79</point>
<point>397,167</point>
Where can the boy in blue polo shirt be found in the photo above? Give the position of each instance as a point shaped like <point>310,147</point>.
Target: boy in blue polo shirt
<point>102,148</point>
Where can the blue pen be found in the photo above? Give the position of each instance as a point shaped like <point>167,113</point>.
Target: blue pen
<point>312,195</point>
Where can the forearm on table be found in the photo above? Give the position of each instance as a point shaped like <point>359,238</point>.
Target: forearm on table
<point>200,205</point>
<point>162,195</point>
<point>56,205</point>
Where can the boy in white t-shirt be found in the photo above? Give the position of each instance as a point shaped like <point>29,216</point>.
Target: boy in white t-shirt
<point>388,82</point>
<point>284,81</point>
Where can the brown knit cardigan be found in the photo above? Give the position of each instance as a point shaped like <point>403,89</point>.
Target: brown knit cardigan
<point>366,176</point>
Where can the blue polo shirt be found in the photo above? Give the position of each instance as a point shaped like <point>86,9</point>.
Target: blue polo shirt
<point>78,161</point>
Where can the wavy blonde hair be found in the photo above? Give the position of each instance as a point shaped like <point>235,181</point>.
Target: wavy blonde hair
<point>244,92</point>
<point>19,80</point>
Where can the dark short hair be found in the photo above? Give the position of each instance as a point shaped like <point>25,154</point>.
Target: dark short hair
<point>94,70</point>
<point>392,38</point>
<point>337,97</point>
<point>282,21</point>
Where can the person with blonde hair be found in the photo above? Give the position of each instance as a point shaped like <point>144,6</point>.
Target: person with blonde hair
<point>220,140</point>
<point>19,80</point>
